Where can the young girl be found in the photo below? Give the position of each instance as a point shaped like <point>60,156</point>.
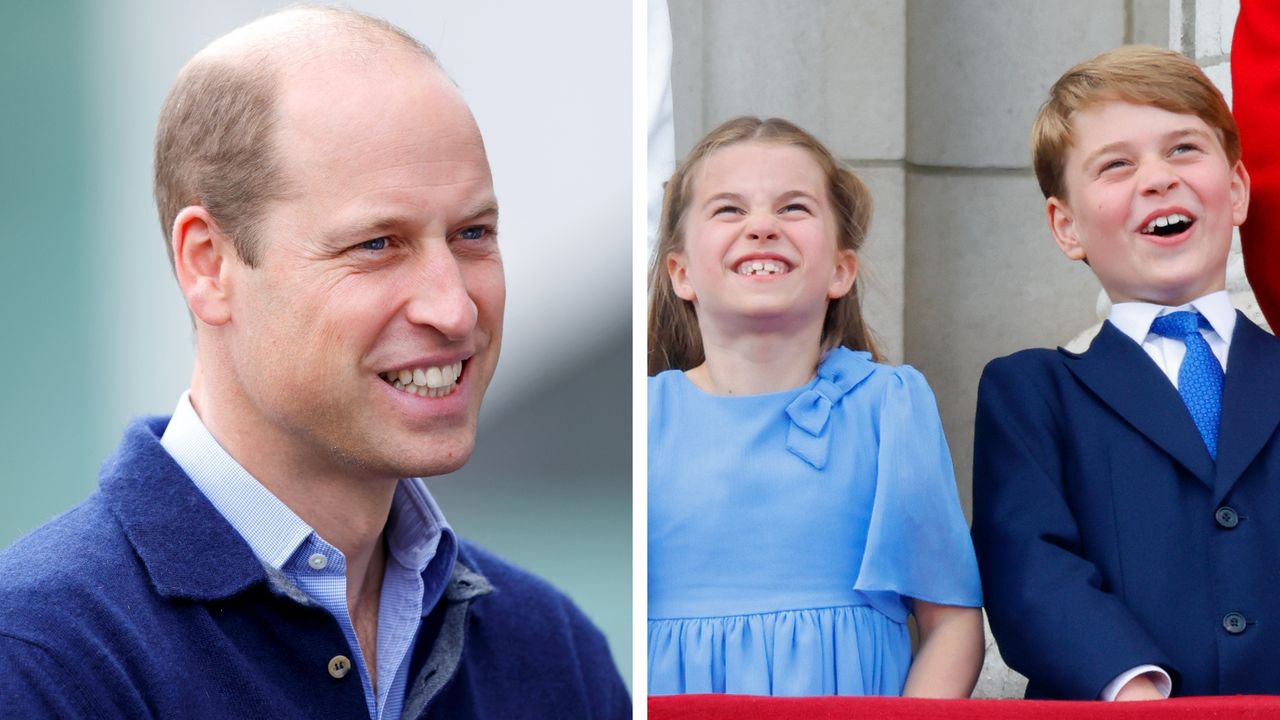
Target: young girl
<point>801,498</point>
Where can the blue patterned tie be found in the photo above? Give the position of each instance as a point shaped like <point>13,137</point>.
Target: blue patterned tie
<point>1200,377</point>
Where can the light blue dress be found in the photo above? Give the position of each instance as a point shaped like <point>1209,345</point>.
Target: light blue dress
<point>788,530</point>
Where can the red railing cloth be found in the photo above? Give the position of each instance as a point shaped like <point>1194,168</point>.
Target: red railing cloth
<point>744,707</point>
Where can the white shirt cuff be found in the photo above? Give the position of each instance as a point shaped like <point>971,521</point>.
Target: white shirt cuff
<point>1161,679</point>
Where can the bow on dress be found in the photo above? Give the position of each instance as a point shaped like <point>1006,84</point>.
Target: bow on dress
<point>809,437</point>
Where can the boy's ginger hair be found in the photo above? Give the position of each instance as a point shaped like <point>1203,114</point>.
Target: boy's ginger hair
<point>1139,74</point>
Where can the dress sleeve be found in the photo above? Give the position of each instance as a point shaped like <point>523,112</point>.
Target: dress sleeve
<point>918,545</point>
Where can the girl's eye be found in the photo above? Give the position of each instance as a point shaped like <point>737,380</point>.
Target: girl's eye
<point>1112,165</point>
<point>796,207</point>
<point>477,232</point>
<point>725,209</point>
<point>374,244</point>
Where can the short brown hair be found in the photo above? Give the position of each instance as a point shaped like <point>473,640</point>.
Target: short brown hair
<point>675,341</point>
<point>215,142</point>
<point>1138,74</point>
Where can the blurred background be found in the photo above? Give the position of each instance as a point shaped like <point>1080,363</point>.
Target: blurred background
<point>94,330</point>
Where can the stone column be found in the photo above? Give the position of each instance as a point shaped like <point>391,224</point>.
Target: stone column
<point>983,276</point>
<point>833,67</point>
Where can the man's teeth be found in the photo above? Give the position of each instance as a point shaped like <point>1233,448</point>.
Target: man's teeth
<point>1163,221</point>
<point>434,381</point>
<point>761,267</point>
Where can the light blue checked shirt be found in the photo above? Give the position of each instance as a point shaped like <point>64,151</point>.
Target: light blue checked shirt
<point>281,540</point>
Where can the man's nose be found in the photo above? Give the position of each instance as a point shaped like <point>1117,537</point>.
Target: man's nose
<point>440,296</point>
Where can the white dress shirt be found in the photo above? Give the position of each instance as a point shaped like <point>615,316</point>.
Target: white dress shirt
<point>1134,320</point>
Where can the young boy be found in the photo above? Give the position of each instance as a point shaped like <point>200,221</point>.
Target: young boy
<point>1126,499</point>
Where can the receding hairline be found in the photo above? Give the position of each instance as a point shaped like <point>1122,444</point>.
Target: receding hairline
<point>217,134</point>
<point>301,33</point>
<point>309,26</point>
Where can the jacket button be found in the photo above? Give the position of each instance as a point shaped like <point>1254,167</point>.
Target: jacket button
<point>1234,623</point>
<point>339,665</point>
<point>1227,517</point>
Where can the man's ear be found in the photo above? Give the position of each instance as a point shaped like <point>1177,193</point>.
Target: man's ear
<point>677,268</point>
<point>846,271</point>
<point>1239,193</point>
<point>1062,225</point>
<point>202,255</point>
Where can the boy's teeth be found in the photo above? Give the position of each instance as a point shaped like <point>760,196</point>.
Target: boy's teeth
<point>1165,221</point>
<point>434,381</point>
<point>761,267</point>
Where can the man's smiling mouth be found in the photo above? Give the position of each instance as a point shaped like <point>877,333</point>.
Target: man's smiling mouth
<point>430,381</point>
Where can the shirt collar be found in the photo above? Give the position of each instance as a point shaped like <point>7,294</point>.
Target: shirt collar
<point>272,530</point>
<point>1134,318</point>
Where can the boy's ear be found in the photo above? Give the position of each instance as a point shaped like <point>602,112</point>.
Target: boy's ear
<point>846,271</point>
<point>1062,225</point>
<point>202,255</point>
<point>677,268</point>
<point>1239,193</point>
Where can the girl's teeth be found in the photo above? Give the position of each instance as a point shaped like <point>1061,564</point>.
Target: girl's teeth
<point>761,267</point>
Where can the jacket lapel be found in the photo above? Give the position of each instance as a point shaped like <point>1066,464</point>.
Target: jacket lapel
<point>1126,379</point>
<point>1250,402</point>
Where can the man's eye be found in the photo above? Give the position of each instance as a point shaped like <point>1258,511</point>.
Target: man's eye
<point>374,244</point>
<point>477,232</point>
<point>1184,148</point>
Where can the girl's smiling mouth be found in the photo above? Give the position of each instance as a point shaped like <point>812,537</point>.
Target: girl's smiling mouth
<point>762,267</point>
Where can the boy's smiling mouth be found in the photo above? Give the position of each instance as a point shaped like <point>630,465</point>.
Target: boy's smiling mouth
<point>1167,224</point>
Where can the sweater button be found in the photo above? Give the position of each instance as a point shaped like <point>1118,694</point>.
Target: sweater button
<point>339,666</point>
<point>1234,623</point>
<point>1227,517</point>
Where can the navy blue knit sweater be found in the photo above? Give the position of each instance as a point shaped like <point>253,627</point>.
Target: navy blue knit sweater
<point>142,602</point>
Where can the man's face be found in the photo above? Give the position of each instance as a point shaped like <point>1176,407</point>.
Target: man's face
<point>381,262</point>
<point>1151,203</point>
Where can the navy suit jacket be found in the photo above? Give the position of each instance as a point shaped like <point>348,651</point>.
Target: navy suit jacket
<point>1107,537</point>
